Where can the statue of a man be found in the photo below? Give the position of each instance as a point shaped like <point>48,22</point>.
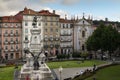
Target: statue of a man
<point>35,58</point>
<point>35,22</point>
<point>36,62</point>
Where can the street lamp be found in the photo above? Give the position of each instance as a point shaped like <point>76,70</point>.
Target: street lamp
<point>60,70</point>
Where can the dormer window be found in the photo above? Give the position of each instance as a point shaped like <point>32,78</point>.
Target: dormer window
<point>83,33</point>
<point>26,24</point>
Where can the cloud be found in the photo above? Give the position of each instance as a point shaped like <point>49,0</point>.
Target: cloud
<point>10,7</point>
<point>69,2</point>
<point>63,2</point>
<point>48,1</point>
<point>62,13</point>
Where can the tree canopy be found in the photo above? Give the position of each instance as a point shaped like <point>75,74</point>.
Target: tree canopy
<point>105,38</point>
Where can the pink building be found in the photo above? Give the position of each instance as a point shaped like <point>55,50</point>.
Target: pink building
<point>11,34</point>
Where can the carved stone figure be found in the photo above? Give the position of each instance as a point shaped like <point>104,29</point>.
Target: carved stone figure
<point>35,22</point>
<point>36,64</point>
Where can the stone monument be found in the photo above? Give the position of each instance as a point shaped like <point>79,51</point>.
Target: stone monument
<point>35,67</point>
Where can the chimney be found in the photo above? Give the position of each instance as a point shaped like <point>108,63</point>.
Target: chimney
<point>53,11</point>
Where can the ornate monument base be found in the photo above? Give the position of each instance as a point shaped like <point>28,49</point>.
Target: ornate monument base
<point>28,73</point>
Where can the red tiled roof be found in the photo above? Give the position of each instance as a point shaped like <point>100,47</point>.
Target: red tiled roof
<point>65,20</point>
<point>9,19</point>
<point>47,13</point>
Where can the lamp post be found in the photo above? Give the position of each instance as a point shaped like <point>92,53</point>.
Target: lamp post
<point>60,70</point>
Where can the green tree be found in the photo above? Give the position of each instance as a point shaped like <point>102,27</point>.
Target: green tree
<point>105,38</point>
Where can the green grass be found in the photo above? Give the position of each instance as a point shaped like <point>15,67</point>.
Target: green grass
<point>71,64</point>
<point>7,73</point>
<point>109,73</point>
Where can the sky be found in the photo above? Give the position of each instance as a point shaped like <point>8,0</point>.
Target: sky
<point>97,9</point>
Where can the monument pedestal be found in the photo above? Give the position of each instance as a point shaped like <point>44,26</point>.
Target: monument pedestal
<point>44,73</point>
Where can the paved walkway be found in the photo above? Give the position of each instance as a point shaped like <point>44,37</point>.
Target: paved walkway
<point>70,72</point>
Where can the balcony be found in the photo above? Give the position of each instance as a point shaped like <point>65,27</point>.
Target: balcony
<point>6,42</point>
<point>57,45</point>
<point>11,34</point>
<point>16,34</point>
<point>51,45</point>
<point>12,42</point>
<point>56,38</point>
<point>65,40</point>
<point>51,39</point>
<point>46,46</point>
<point>26,41</point>
<point>16,49</point>
<point>45,39</point>
<point>66,46</point>
<point>12,50</point>
<point>66,34</point>
<point>6,50</point>
<point>17,42</point>
<point>6,34</point>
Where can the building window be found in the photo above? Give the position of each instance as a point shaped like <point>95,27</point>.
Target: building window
<point>11,39</point>
<point>11,55</point>
<point>6,47</point>
<point>26,24</point>
<point>46,23</point>
<point>56,23</point>
<point>45,30</point>
<point>51,23</point>
<point>26,37</point>
<point>16,47</point>
<point>6,56</point>
<point>16,31</point>
<point>12,47</point>
<point>66,25</point>
<point>63,25</point>
<point>17,40</point>
<point>11,31</point>
<point>83,33</point>
<point>6,31</point>
<point>26,30</point>
<point>39,24</point>
<point>51,29</point>
<point>6,40</point>
<point>56,30</point>
<point>83,47</point>
<point>51,18</point>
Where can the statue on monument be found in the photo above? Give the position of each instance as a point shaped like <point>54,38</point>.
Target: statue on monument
<point>36,64</point>
<point>34,22</point>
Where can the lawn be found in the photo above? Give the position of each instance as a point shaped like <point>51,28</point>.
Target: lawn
<point>109,73</point>
<point>7,73</point>
<point>71,64</point>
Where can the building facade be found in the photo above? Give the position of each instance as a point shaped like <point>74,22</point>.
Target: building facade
<point>11,38</point>
<point>82,30</point>
<point>66,36</point>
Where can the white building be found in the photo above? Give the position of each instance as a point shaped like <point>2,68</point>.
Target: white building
<point>66,36</point>
<point>27,21</point>
<point>82,30</point>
